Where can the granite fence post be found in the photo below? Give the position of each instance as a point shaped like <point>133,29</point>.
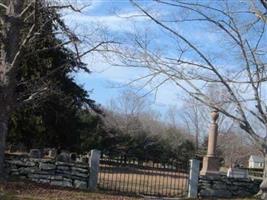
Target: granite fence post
<point>193,178</point>
<point>94,160</point>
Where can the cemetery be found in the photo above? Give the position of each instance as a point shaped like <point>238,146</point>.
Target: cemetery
<point>91,172</point>
<point>133,99</point>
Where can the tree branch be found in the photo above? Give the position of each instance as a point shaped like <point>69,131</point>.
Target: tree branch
<point>3,6</point>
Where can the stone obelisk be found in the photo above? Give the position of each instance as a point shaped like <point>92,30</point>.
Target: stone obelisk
<point>211,163</point>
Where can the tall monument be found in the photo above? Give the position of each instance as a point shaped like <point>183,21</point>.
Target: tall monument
<point>211,163</point>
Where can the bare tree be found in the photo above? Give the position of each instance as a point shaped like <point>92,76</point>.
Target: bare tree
<point>16,15</point>
<point>132,114</point>
<point>194,116</point>
<point>129,103</point>
<point>197,115</point>
<point>236,148</point>
<point>236,61</point>
<point>172,116</point>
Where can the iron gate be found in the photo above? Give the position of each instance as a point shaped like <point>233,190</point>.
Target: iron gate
<point>144,178</point>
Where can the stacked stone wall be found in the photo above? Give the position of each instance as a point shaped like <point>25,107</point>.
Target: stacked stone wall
<point>224,187</point>
<point>49,171</point>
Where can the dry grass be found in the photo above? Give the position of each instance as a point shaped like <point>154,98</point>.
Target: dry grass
<point>162,184</point>
<point>19,190</point>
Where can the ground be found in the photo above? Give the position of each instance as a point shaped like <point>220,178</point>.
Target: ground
<point>20,190</point>
<point>164,183</point>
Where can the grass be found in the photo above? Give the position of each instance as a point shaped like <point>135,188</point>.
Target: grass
<point>165,184</point>
<point>7,196</point>
<point>20,190</point>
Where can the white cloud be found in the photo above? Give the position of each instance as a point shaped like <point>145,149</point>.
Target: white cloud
<point>93,4</point>
<point>87,5</point>
<point>115,76</point>
<point>106,71</point>
<point>123,22</point>
<point>166,95</point>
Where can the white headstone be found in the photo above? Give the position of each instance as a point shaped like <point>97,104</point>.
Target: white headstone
<point>237,173</point>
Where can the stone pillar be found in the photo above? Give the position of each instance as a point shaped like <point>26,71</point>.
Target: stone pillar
<point>211,163</point>
<point>193,179</point>
<point>94,161</point>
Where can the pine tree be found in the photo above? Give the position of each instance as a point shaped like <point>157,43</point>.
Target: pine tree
<point>53,119</point>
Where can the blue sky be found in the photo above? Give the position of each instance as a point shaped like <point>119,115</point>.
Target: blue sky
<point>104,80</point>
<point>114,16</point>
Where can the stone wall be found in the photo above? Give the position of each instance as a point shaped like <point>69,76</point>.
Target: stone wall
<point>223,187</point>
<point>49,171</point>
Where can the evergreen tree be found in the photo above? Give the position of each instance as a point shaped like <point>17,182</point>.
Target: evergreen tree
<point>53,120</point>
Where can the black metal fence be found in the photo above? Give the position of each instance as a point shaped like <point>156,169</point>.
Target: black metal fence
<point>254,172</point>
<point>149,178</point>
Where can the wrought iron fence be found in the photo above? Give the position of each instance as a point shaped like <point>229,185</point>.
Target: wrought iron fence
<point>254,172</point>
<point>135,177</point>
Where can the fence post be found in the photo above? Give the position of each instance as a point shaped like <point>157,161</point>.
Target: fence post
<point>193,178</point>
<point>94,160</point>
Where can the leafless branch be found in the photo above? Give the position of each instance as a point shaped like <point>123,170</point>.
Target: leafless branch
<point>3,6</point>
<point>27,8</point>
<point>264,3</point>
<point>59,7</point>
<point>24,42</point>
<point>183,72</point>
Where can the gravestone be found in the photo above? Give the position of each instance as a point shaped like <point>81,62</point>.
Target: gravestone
<point>79,158</point>
<point>84,159</point>
<point>12,148</point>
<point>63,157</point>
<point>237,173</point>
<point>21,147</point>
<point>211,164</point>
<point>52,153</point>
<point>35,153</point>
<point>73,157</point>
<point>46,151</point>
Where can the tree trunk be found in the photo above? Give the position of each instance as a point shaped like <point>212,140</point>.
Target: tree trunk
<point>6,107</point>
<point>11,36</point>
<point>3,133</point>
